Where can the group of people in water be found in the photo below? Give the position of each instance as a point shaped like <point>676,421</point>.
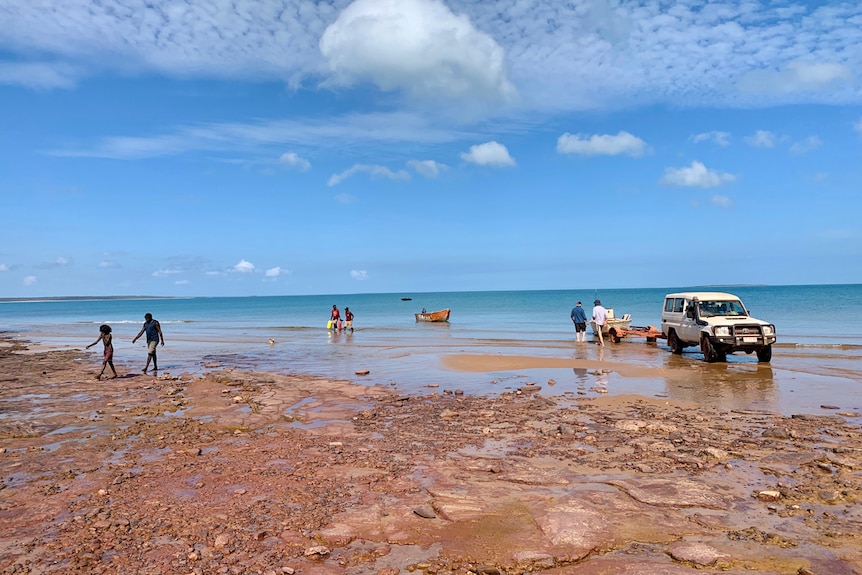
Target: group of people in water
<point>579,318</point>
<point>335,321</point>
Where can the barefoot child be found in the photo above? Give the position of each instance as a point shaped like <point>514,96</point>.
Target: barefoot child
<point>105,337</point>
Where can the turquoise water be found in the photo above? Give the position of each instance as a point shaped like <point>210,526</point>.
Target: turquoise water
<point>817,326</point>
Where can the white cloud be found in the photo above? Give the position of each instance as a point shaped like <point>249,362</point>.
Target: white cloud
<point>29,280</point>
<point>359,274</point>
<point>274,272</point>
<point>166,272</point>
<point>374,171</point>
<point>578,55</point>
<point>601,145</point>
<point>419,47</point>
<point>294,161</point>
<point>809,144</point>
<point>721,201</point>
<point>244,267</point>
<point>4,268</point>
<point>488,154</point>
<point>720,138</point>
<point>797,77</point>
<point>345,199</point>
<point>695,176</point>
<point>182,282</point>
<point>108,264</point>
<point>858,126</point>
<point>761,139</point>
<point>427,168</point>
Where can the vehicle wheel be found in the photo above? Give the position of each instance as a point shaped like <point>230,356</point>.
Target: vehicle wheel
<point>710,354</point>
<point>764,355</point>
<point>674,343</point>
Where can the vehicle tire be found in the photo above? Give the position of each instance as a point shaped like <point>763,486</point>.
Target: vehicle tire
<point>710,354</point>
<point>674,343</point>
<point>764,355</point>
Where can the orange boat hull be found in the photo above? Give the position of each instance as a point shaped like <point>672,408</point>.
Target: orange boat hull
<point>442,315</point>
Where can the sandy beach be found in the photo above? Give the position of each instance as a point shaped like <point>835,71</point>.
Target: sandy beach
<point>246,472</point>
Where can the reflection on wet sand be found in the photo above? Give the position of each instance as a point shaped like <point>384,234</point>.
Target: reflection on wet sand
<point>723,385</point>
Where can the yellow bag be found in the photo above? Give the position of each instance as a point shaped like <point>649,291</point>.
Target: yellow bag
<point>329,324</point>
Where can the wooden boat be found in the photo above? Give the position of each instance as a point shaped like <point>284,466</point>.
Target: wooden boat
<point>618,322</point>
<point>406,298</point>
<point>442,315</point>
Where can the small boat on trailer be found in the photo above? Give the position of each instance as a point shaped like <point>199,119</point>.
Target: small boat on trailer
<point>433,316</point>
<point>619,323</point>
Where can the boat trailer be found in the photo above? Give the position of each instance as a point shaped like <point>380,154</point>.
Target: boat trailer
<point>650,332</point>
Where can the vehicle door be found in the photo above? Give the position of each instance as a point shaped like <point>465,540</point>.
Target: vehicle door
<point>689,330</point>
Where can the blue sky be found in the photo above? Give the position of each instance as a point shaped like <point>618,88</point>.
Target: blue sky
<point>269,147</point>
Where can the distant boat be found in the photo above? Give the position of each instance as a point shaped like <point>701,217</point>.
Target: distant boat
<point>442,315</point>
<point>406,298</point>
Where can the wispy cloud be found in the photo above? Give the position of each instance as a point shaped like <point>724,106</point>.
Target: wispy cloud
<point>489,154</point>
<point>721,201</point>
<point>359,274</point>
<point>166,272</point>
<point>805,146</point>
<point>427,168</point>
<point>720,138</point>
<point>601,145</point>
<point>58,262</point>
<point>761,139</point>
<point>697,175</point>
<point>374,171</point>
<point>4,268</point>
<point>29,280</point>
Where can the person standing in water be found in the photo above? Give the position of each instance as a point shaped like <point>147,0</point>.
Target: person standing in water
<point>108,358</point>
<point>600,318</point>
<point>348,319</point>
<point>579,318</point>
<point>154,335</point>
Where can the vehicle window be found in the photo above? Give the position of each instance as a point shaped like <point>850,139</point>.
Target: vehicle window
<point>721,308</point>
<point>668,304</point>
<point>679,305</point>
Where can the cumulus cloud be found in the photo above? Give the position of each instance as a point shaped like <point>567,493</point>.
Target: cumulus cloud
<point>695,176</point>
<point>761,139</point>
<point>489,154</point>
<point>601,145</point>
<point>374,171</point>
<point>29,280</point>
<point>274,272</point>
<point>244,267</point>
<point>359,274</point>
<point>720,138</point>
<point>419,47</point>
<point>809,144</point>
<point>427,168</point>
<point>292,160</point>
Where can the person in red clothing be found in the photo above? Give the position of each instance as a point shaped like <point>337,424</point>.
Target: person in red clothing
<point>108,356</point>
<point>348,319</point>
<point>335,317</point>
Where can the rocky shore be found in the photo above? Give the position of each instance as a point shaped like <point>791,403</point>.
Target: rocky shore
<point>259,473</point>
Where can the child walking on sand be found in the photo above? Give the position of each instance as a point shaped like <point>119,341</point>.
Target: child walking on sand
<point>105,337</point>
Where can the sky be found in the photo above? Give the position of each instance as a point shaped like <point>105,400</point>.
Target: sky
<point>291,147</point>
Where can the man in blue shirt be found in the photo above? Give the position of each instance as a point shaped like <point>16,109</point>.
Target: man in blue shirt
<point>154,335</point>
<point>579,318</point>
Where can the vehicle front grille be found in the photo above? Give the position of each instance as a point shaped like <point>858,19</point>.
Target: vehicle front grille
<point>741,330</point>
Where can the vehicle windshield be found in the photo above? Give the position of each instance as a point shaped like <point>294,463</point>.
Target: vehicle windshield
<point>721,308</point>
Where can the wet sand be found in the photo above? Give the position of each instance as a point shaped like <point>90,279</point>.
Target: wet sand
<point>248,472</point>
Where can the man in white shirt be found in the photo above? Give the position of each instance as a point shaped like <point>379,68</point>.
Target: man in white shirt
<point>600,318</point>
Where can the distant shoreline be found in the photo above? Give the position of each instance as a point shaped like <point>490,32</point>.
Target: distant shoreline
<point>87,298</point>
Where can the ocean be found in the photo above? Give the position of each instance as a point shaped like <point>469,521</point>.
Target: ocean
<point>819,350</point>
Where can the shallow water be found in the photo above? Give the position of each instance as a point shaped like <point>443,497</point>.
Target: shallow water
<point>813,364</point>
